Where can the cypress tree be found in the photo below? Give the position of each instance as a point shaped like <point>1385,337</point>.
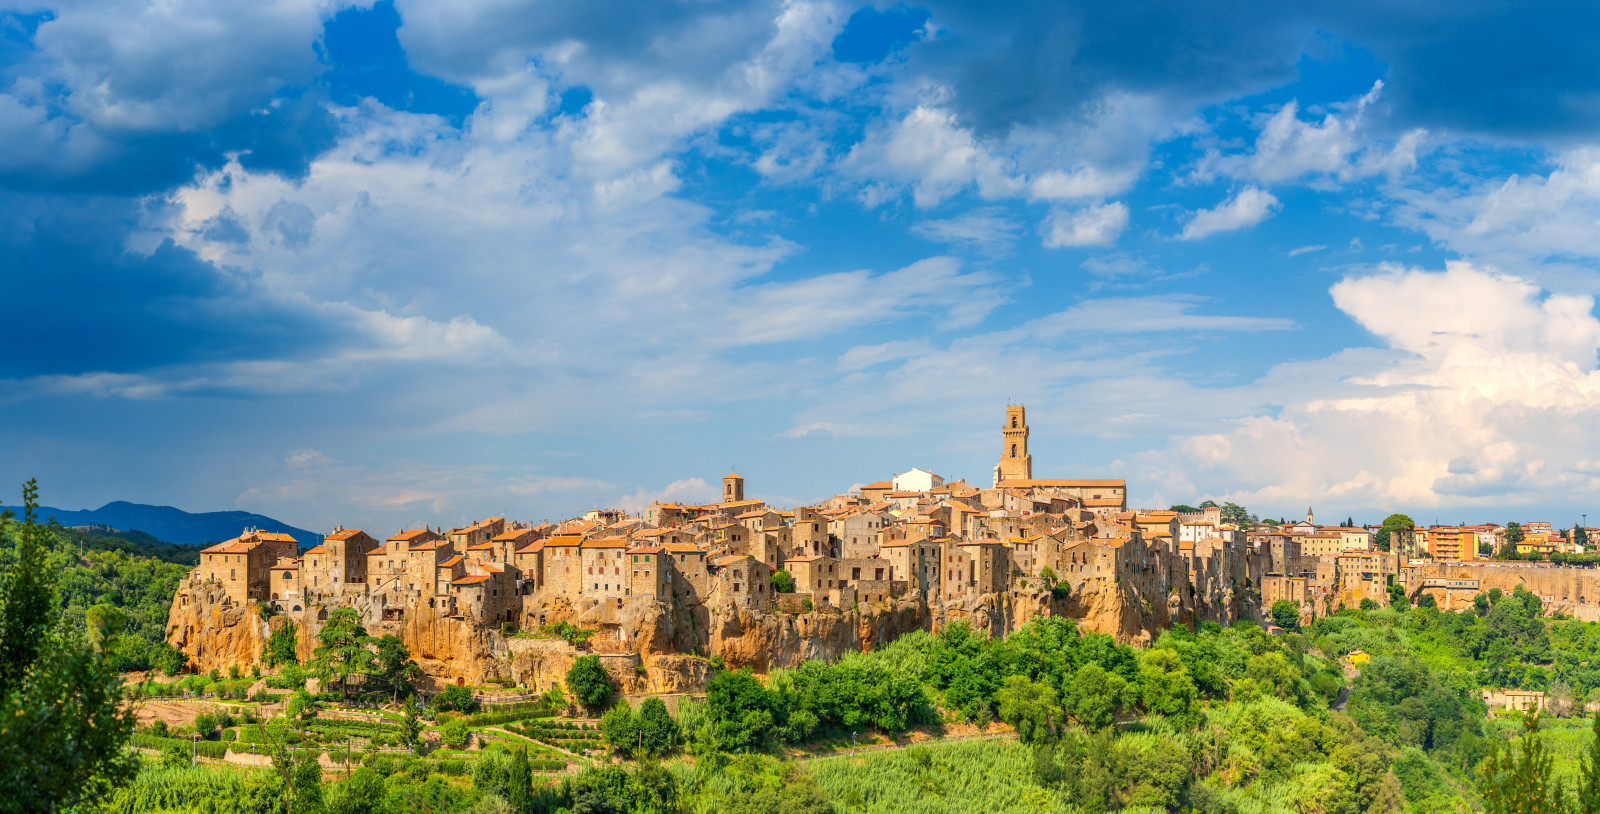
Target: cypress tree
<point>1520,781</point>
<point>1588,800</point>
<point>520,781</point>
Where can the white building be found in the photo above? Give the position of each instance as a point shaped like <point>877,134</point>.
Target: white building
<point>916,480</point>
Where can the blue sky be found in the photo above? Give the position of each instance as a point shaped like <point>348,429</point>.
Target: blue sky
<point>400,263</point>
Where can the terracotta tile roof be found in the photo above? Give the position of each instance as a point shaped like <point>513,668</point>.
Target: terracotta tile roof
<point>407,536</point>
<point>1069,483</point>
<point>531,548</point>
<point>684,548</point>
<point>512,535</point>
<point>469,580</point>
<point>882,484</point>
<point>609,542</point>
<point>563,541</point>
<point>343,534</point>
<point>237,545</point>
<point>321,549</point>
<point>453,561</point>
<point>721,561</point>
<point>285,565</point>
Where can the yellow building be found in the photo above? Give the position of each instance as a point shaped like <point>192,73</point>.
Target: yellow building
<point>1540,544</point>
<point>1358,658</point>
<point>1452,544</point>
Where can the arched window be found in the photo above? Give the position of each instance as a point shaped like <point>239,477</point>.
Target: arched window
<point>1013,450</point>
<point>1013,422</point>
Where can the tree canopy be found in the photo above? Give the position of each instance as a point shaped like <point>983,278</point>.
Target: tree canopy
<point>62,731</point>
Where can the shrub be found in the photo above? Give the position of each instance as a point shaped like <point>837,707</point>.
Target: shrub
<point>455,734</point>
<point>456,698</point>
<point>205,725</point>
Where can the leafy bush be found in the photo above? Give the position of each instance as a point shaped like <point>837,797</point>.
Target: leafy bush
<point>455,734</point>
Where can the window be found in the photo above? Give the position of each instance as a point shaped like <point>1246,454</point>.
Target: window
<point>1013,450</point>
<point>1013,422</point>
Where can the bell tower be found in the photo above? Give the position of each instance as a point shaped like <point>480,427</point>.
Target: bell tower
<point>1015,462</point>
<point>732,488</point>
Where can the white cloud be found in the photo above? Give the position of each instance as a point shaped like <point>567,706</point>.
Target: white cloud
<point>938,158</point>
<point>105,73</point>
<point>1526,218</point>
<point>1484,395</point>
<point>1288,148</point>
<point>1247,208</point>
<point>1296,252</point>
<point>986,229</point>
<point>688,490</point>
<point>1091,226</point>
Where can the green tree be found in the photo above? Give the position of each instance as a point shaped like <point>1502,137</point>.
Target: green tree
<point>589,683</point>
<point>168,659</point>
<point>659,733</point>
<point>62,731</point>
<point>455,697</point>
<point>1094,695</point>
<point>395,666</point>
<point>205,725</point>
<point>175,756</point>
<point>410,727</point>
<point>1522,780</point>
<point>1183,508</point>
<point>1393,525</point>
<point>1029,706</point>
<point>1168,689</point>
<point>1235,514</point>
<point>620,728</point>
<point>782,582</point>
<point>741,708</point>
<point>455,733</point>
<point>1580,535</point>
<point>519,782</point>
<point>1587,800</point>
<point>343,649</point>
<point>1286,614</point>
<point>305,784</point>
<point>105,622</point>
<point>1397,597</point>
<point>1513,535</point>
<point>280,646</point>
<point>362,793</point>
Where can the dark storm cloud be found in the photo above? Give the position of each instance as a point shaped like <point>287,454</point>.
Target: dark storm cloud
<point>82,302</point>
<point>1516,70</point>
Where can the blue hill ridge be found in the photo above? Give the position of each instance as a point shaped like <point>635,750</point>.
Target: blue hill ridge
<point>175,525</point>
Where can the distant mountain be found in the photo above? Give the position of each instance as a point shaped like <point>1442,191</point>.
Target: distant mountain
<point>175,525</point>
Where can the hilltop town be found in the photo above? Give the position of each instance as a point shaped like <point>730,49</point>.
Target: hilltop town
<point>764,586</point>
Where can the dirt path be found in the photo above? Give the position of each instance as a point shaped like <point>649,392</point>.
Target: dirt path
<point>890,747</point>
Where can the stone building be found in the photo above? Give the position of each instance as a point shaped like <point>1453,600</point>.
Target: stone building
<point>389,565</point>
<point>241,565</point>
<point>339,564</point>
<point>1015,462</point>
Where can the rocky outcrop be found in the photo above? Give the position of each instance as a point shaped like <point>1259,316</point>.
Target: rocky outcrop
<point>214,632</point>
<point>647,647</point>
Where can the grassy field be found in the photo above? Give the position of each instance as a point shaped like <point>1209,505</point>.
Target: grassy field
<point>976,777</point>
